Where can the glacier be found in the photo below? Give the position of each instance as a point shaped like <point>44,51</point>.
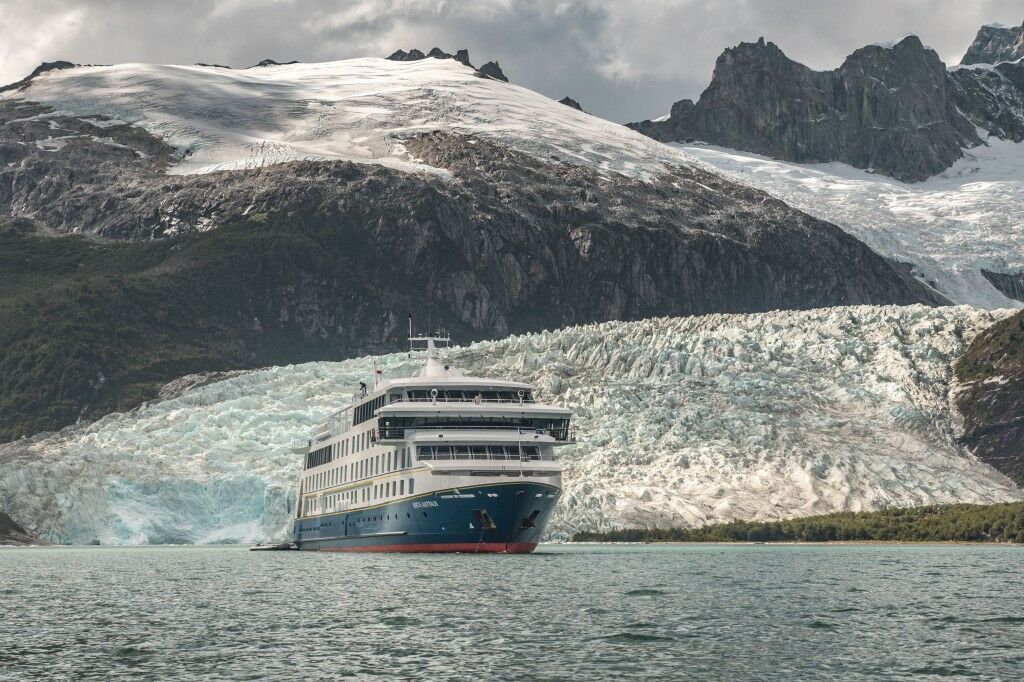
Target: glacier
<point>949,227</point>
<point>354,110</point>
<point>682,421</point>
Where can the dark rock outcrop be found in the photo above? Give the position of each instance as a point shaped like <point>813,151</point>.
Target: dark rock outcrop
<point>271,62</point>
<point>992,98</point>
<point>403,56</point>
<point>42,68</point>
<point>570,102</point>
<point>995,44</point>
<point>990,397</point>
<point>12,533</point>
<point>320,260</point>
<point>492,70</point>
<point>216,66</point>
<point>884,109</point>
<point>896,110</point>
<point>1010,284</point>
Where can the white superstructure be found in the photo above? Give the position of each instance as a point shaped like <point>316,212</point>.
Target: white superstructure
<point>430,435</point>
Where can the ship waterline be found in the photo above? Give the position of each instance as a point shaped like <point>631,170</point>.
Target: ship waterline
<point>436,462</point>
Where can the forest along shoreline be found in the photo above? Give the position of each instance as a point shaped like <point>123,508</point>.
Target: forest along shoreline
<point>953,523</point>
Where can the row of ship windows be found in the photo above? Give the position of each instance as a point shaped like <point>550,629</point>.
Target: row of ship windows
<point>452,395</point>
<point>520,452</point>
<point>393,460</point>
<point>366,494</point>
<point>329,453</point>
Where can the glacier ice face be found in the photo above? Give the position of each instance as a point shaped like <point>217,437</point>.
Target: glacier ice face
<point>950,227</point>
<point>682,421</point>
<point>355,110</point>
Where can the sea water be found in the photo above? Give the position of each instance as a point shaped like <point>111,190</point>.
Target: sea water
<point>567,611</point>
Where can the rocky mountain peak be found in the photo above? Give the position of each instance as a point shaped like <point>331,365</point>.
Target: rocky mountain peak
<point>570,102</point>
<point>492,70</point>
<point>42,68</point>
<point>996,43</point>
<point>908,59</point>
<point>894,109</point>
<point>271,62</point>
<point>403,56</point>
<point>413,55</point>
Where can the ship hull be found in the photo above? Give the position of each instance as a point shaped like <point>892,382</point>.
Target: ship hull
<point>491,518</point>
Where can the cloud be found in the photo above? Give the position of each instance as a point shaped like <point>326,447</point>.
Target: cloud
<point>621,60</point>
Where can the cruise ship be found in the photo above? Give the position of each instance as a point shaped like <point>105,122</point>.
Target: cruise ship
<point>435,462</point>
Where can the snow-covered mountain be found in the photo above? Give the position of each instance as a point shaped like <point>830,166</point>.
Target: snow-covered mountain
<point>831,142</point>
<point>351,110</point>
<point>312,206</point>
<point>682,421</point>
<point>953,228</point>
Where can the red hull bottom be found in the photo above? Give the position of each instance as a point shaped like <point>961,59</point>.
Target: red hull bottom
<point>465,547</point>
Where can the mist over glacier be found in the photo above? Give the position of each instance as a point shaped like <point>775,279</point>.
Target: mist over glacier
<point>682,421</point>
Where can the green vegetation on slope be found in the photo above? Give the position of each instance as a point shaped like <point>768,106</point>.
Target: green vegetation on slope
<point>991,396</point>
<point>939,523</point>
<point>996,350</point>
<point>90,327</point>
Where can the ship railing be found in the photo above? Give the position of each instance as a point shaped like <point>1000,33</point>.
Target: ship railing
<point>338,422</point>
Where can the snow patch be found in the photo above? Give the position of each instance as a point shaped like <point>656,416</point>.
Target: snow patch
<point>682,421</point>
<point>356,110</point>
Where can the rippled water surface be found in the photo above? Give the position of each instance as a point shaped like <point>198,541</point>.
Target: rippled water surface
<point>585,612</point>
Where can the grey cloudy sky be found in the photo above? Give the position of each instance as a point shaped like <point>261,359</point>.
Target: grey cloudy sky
<point>621,60</point>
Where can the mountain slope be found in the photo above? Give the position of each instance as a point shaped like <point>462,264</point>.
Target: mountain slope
<point>990,396</point>
<point>891,109</point>
<point>962,231</point>
<point>519,214</point>
<point>683,421</point>
<point>996,43</point>
<point>351,110</point>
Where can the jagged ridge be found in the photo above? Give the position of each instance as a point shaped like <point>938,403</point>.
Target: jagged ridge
<point>895,110</point>
<point>994,44</point>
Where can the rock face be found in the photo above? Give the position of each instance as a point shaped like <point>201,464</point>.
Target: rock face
<point>991,97</point>
<point>271,62</point>
<point>895,110</point>
<point>995,44</point>
<point>42,68</point>
<point>403,56</point>
<point>492,70</point>
<point>414,55</point>
<point>991,396</point>
<point>318,260</point>
<point>884,108</point>
<point>570,102</point>
<point>12,533</point>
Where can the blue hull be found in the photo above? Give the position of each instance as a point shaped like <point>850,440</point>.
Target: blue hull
<point>503,517</point>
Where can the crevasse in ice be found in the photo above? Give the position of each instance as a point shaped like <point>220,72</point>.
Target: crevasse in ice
<point>682,421</point>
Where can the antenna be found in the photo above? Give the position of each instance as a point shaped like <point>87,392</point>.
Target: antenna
<point>410,335</point>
